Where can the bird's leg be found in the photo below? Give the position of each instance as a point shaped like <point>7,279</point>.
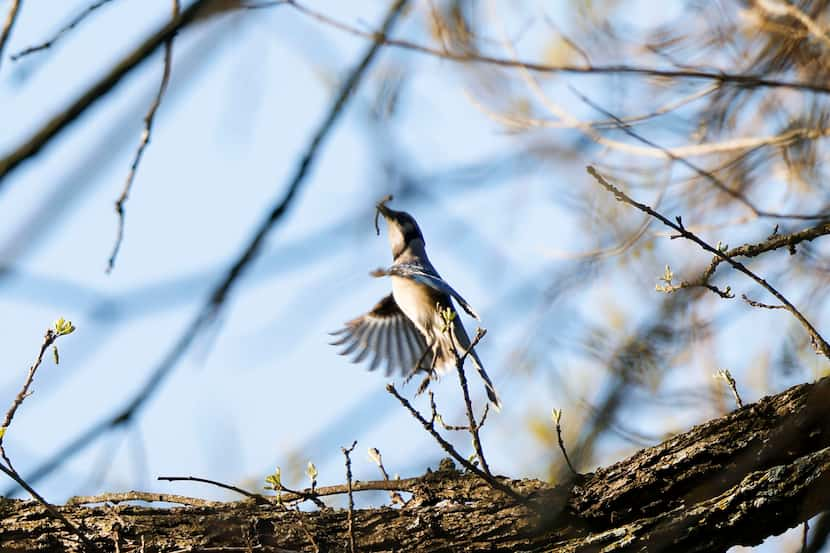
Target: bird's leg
<point>417,368</point>
<point>431,372</point>
<point>424,384</point>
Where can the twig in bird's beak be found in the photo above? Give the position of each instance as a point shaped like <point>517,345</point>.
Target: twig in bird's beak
<point>380,207</point>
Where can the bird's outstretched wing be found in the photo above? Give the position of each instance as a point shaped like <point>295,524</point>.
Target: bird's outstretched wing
<point>433,280</point>
<point>389,335</point>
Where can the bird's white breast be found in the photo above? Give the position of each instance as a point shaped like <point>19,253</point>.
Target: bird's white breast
<point>416,301</point>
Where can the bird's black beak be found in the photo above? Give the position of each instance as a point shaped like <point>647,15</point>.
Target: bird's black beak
<point>381,209</point>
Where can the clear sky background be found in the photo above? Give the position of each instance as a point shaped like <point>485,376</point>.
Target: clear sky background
<point>262,388</point>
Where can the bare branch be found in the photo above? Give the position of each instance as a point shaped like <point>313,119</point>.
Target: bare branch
<point>48,339</point>
<point>557,416</point>
<point>473,426</point>
<point>375,455</point>
<point>62,31</point>
<point>820,343</point>
<point>754,303</point>
<point>430,427</point>
<point>733,386</point>
<point>145,139</point>
<point>259,498</point>
<point>346,453</point>
<point>436,416</point>
<point>773,242</point>
<point>397,484</point>
<point>61,328</point>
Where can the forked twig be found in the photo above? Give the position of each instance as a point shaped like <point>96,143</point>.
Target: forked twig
<point>448,447</point>
<point>62,31</point>
<point>468,404</point>
<point>818,341</point>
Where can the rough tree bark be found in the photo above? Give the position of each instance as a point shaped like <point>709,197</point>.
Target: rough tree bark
<point>734,480</point>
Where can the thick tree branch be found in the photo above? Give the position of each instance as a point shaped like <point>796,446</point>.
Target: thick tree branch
<point>731,481</point>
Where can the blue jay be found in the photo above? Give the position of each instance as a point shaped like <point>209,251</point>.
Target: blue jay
<point>406,329</point>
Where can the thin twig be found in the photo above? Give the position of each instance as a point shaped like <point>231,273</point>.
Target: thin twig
<point>347,452</point>
<point>48,339</point>
<point>818,341</point>
<point>310,495</point>
<point>436,416</point>
<point>754,303</point>
<point>773,242</point>
<point>52,334</point>
<point>11,473</point>
<point>61,328</point>
<point>145,139</point>
<point>11,17</point>
<point>255,496</point>
<point>429,427</point>
<point>65,29</point>
<point>468,404</point>
<point>220,293</point>
<point>404,485</point>
<point>557,416</point>
<point>394,496</point>
<point>727,377</point>
<point>147,497</point>
<point>462,379</point>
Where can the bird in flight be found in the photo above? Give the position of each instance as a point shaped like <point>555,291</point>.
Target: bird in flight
<point>416,327</point>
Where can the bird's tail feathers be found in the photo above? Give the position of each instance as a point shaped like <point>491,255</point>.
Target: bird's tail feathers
<point>488,384</point>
